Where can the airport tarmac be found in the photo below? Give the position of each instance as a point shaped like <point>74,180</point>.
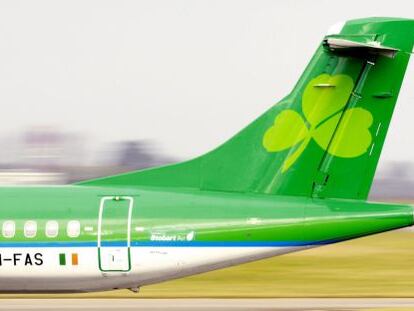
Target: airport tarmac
<point>207,304</point>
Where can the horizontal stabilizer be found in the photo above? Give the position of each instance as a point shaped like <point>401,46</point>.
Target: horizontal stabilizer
<point>372,47</point>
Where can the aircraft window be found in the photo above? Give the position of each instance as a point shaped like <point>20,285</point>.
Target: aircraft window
<point>30,228</point>
<point>52,229</point>
<point>73,229</point>
<point>9,229</point>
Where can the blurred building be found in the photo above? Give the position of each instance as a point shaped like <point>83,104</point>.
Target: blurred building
<point>395,181</point>
<point>28,177</point>
<point>47,155</point>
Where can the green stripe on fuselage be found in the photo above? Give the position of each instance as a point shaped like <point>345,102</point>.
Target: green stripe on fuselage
<point>165,215</point>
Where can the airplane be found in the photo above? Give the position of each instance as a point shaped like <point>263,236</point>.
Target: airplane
<point>298,177</point>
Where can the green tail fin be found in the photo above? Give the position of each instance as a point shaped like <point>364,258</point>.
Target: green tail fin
<point>324,139</point>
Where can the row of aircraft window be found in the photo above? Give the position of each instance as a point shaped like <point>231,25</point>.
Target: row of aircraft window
<point>51,229</point>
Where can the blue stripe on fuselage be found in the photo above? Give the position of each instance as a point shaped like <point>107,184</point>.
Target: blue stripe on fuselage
<point>171,244</point>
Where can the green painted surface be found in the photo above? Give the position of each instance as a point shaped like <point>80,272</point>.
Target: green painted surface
<point>115,221</point>
<point>323,102</point>
<point>333,123</point>
<point>276,219</point>
<point>297,175</point>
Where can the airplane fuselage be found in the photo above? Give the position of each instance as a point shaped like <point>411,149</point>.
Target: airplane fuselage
<point>79,238</point>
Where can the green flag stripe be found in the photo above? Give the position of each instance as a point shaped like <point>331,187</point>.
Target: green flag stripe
<point>62,259</point>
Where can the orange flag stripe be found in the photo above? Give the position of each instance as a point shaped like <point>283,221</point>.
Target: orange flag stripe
<point>74,259</point>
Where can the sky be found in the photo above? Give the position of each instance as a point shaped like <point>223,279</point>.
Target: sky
<point>186,74</point>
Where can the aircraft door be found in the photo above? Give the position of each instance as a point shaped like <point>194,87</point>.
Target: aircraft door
<point>114,233</point>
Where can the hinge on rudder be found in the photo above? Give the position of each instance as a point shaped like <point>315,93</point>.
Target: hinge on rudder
<point>321,180</point>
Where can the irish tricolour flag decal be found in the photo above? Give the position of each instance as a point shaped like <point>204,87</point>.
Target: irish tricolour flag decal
<point>63,260</point>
